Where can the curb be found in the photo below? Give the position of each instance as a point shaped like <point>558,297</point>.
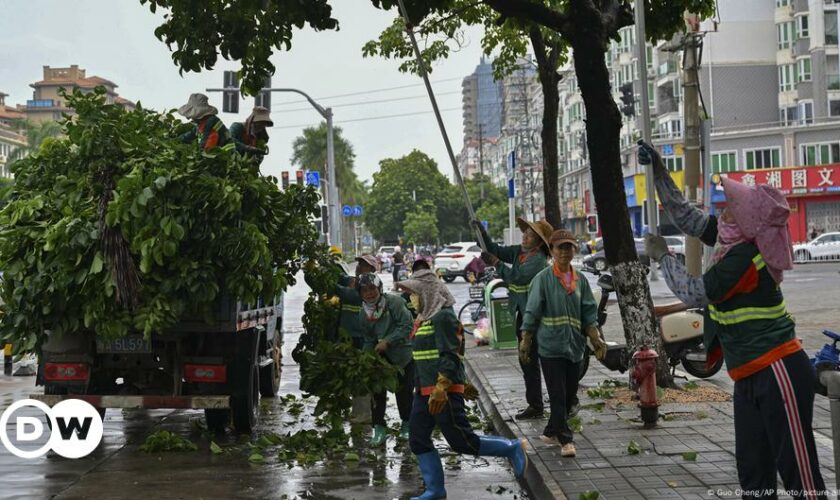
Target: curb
<point>537,478</point>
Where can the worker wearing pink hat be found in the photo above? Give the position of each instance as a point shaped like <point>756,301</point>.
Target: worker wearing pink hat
<point>748,324</point>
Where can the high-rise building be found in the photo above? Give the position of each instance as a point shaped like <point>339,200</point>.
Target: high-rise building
<point>47,104</point>
<point>482,111</point>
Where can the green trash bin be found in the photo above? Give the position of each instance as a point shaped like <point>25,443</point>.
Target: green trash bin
<point>502,327</point>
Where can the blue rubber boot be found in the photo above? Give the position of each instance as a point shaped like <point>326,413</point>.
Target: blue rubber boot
<point>432,471</point>
<point>512,449</point>
<point>379,436</point>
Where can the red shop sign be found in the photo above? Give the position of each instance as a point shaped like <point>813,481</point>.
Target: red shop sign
<point>794,180</point>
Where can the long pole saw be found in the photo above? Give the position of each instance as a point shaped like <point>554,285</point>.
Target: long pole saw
<point>422,68</point>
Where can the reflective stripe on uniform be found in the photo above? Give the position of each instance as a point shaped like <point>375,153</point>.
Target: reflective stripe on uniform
<point>519,288</point>
<point>758,260</point>
<point>561,320</point>
<point>743,314</point>
<point>426,355</point>
<point>424,330</point>
<point>351,308</point>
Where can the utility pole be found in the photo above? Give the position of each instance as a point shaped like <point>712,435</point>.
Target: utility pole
<point>481,159</point>
<point>641,46</point>
<point>691,107</point>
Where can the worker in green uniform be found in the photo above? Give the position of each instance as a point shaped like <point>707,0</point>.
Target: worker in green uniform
<point>748,324</point>
<point>386,324</point>
<point>561,314</point>
<point>440,383</point>
<point>208,130</point>
<point>251,137</point>
<point>525,261</point>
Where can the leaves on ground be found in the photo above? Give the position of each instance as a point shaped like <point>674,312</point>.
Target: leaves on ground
<point>575,424</point>
<point>690,456</point>
<point>690,386</point>
<point>633,448</point>
<point>216,449</point>
<point>589,495</point>
<point>166,441</point>
<point>256,458</point>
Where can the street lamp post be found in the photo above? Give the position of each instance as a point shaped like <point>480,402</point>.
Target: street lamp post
<point>332,186</point>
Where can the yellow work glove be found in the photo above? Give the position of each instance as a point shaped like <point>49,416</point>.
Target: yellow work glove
<point>470,392</point>
<point>525,347</point>
<point>310,264</point>
<point>438,397</point>
<point>598,344</point>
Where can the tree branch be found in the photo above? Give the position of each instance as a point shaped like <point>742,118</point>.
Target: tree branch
<point>616,14</point>
<point>538,13</point>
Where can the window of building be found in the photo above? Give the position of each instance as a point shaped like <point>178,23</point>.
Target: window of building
<point>673,163</point>
<point>762,158</point>
<point>834,108</point>
<point>724,162</point>
<point>789,115</point>
<point>804,69</point>
<point>806,112</point>
<point>651,94</point>
<point>678,89</point>
<point>649,56</point>
<point>831,27</point>
<point>784,34</point>
<point>782,3</point>
<point>819,154</point>
<point>802,26</point>
<point>787,77</point>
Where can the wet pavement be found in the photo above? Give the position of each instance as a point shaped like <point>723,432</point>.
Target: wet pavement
<point>119,469</point>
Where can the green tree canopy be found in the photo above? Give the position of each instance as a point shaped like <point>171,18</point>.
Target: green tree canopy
<point>309,151</point>
<point>421,226</point>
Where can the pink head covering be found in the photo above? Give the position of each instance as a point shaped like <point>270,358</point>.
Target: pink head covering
<point>369,260</point>
<point>761,213</point>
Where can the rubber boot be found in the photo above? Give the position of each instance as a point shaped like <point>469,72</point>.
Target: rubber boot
<point>404,431</point>
<point>512,449</point>
<point>379,436</point>
<point>360,413</point>
<point>432,471</point>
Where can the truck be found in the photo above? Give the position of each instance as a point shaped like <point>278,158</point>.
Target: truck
<point>222,365</point>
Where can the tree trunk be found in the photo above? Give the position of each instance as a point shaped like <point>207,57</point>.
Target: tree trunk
<point>548,81</point>
<point>603,126</point>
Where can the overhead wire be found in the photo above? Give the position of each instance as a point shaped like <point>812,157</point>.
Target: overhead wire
<point>364,92</point>
<point>362,103</point>
<point>369,118</point>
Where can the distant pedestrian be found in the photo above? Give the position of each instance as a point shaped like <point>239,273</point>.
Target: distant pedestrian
<point>440,382</point>
<point>747,324</point>
<point>526,260</point>
<point>399,261</point>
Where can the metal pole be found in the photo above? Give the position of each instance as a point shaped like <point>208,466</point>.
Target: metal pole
<point>332,185</point>
<point>422,69</point>
<point>691,106</point>
<point>641,46</point>
<point>706,135</point>
<point>831,380</point>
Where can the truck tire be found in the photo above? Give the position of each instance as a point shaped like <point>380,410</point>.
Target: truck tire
<point>245,407</point>
<point>217,420</point>
<point>270,374</point>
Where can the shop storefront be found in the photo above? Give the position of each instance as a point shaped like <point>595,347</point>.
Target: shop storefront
<point>635,190</point>
<point>813,194</point>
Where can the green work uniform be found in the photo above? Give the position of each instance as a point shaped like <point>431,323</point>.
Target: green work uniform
<point>394,327</point>
<point>437,344</point>
<point>519,276</point>
<point>351,305</point>
<point>558,317</point>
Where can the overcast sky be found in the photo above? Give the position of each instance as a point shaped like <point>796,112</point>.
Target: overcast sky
<point>114,39</point>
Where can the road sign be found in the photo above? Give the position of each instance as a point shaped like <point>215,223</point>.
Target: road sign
<point>313,178</point>
<point>366,240</point>
<point>668,150</point>
<point>347,210</point>
<point>511,164</point>
<point>486,224</point>
<point>357,211</point>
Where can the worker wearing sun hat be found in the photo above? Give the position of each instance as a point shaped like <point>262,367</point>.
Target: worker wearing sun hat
<point>251,137</point>
<point>208,130</point>
<point>748,324</point>
<point>526,260</point>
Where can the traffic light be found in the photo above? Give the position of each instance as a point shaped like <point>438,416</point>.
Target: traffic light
<point>299,177</point>
<point>592,223</point>
<point>284,176</point>
<point>325,219</point>
<point>264,97</point>
<point>628,99</point>
<point>230,99</point>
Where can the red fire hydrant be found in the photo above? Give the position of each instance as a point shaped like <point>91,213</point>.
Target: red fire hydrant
<point>644,374</point>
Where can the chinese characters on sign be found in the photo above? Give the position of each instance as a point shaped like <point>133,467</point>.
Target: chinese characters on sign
<point>805,180</point>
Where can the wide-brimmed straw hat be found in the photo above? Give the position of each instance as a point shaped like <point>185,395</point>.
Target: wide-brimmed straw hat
<point>197,107</point>
<point>541,227</point>
<point>261,115</point>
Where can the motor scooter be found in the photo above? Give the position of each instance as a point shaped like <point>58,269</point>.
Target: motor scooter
<point>680,327</point>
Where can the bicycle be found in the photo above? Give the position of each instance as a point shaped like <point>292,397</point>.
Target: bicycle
<point>476,309</point>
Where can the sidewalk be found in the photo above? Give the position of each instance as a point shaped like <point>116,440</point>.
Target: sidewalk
<point>603,463</point>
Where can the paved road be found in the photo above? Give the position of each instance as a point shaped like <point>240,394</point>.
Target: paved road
<point>118,469</point>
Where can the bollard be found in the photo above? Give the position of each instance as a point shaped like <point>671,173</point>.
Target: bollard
<point>831,379</point>
<point>644,374</point>
<point>7,359</point>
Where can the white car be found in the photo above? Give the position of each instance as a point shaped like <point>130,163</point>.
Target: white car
<point>452,261</point>
<point>676,244</point>
<point>824,247</point>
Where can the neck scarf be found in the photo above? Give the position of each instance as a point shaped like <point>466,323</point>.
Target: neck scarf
<point>571,286</point>
<point>527,254</point>
<point>375,310</point>
<point>729,235</point>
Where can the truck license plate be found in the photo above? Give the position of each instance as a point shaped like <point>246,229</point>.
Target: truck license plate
<point>134,344</point>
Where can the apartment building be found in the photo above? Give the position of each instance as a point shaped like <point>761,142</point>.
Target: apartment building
<point>12,141</point>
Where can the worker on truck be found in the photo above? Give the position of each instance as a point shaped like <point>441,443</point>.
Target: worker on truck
<point>208,130</point>
<point>251,137</point>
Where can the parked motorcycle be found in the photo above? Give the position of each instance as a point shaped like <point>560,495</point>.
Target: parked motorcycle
<point>827,358</point>
<point>680,327</point>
